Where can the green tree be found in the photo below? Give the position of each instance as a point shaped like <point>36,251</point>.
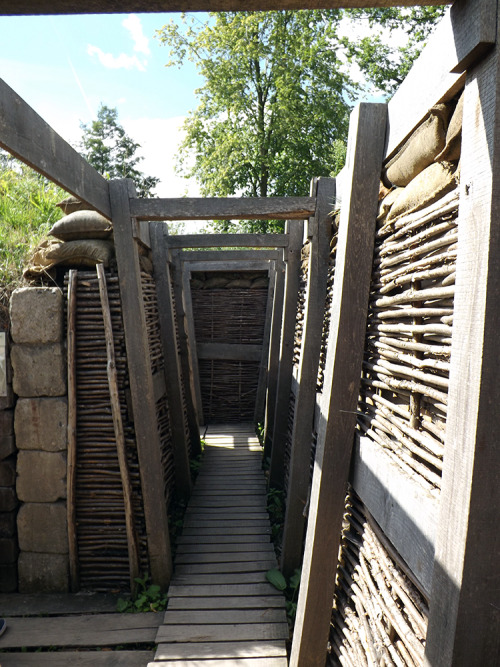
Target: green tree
<point>275,103</point>
<point>112,152</point>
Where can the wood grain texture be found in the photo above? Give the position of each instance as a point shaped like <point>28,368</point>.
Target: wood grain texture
<point>141,384</point>
<point>78,659</point>
<point>223,662</point>
<point>464,614</point>
<point>207,650</point>
<point>194,372</point>
<point>217,633</point>
<point>341,384</point>
<point>117,6</point>
<point>228,241</point>
<point>273,308</point>
<point>229,255</point>
<point>28,137</point>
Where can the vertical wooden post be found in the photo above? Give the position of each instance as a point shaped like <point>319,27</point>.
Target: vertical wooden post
<point>303,421</point>
<point>158,235</point>
<point>187,301</point>
<point>276,437</point>
<point>274,345</point>
<point>464,613</point>
<point>141,383</point>
<point>273,305</point>
<point>341,384</point>
<point>193,425</point>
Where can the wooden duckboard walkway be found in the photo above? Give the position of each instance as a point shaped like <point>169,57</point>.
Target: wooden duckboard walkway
<point>221,610</point>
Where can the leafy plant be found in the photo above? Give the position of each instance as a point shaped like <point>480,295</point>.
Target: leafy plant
<point>290,588</point>
<point>149,597</point>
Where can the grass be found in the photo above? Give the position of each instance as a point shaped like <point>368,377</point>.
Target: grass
<point>27,212</point>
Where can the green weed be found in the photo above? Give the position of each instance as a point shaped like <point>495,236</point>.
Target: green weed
<point>149,597</point>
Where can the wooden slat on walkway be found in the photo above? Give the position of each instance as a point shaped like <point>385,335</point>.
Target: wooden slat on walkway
<point>221,610</point>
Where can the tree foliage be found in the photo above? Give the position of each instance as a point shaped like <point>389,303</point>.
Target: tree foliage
<point>277,93</point>
<point>112,152</point>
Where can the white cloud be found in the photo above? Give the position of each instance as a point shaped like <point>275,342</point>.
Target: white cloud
<point>122,61</point>
<point>141,43</point>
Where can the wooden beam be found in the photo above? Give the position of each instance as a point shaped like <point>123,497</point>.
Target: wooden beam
<point>276,436</point>
<point>141,384</point>
<point>462,38</point>
<point>232,351</point>
<point>191,341</point>
<point>29,138</point>
<point>464,614</point>
<point>7,7</point>
<point>229,208</point>
<point>341,384</point>
<point>303,419</point>
<point>228,255</point>
<point>158,236</point>
<point>230,265</point>
<point>228,241</point>
<point>405,511</point>
<point>260,400</point>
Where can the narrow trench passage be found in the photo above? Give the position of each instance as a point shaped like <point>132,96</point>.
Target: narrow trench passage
<point>221,607</point>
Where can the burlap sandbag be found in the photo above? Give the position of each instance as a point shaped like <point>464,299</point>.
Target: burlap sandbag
<point>39,264</point>
<point>259,283</point>
<point>385,205</point>
<point>82,225</point>
<point>197,284</point>
<point>453,146</point>
<point>426,188</point>
<point>213,283</point>
<point>419,150</point>
<point>71,204</point>
<point>82,253</point>
<point>239,282</point>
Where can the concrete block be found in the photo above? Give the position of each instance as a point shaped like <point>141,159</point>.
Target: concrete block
<point>8,550</point>
<point>8,472</point>
<point>36,315</point>
<point>8,523</point>
<point>41,527</point>
<point>8,499</point>
<point>7,446</point>
<point>39,370</point>
<point>8,578</point>
<point>41,476</point>
<point>43,573</point>
<point>41,423</point>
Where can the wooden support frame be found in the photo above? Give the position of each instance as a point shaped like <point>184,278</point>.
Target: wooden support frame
<point>141,383</point>
<point>229,241</point>
<point>159,240</point>
<point>276,430</point>
<point>341,384</point>
<point>464,614</point>
<point>305,400</point>
<point>191,340</point>
<point>229,255</point>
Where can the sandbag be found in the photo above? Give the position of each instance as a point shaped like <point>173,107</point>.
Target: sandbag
<point>240,282</point>
<point>419,150</point>
<point>82,253</point>
<point>82,225</point>
<point>259,283</point>
<point>39,264</point>
<point>71,204</point>
<point>385,205</point>
<point>212,283</point>
<point>426,188</point>
<point>453,146</point>
<point>197,284</point>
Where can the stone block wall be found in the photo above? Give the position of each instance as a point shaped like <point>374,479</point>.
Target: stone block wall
<point>40,424</point>
<point>8,498</point>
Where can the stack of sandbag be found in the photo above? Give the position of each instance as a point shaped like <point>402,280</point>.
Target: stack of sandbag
<point>229,280</point>
<point>426,167</point>
<point>82,238</point>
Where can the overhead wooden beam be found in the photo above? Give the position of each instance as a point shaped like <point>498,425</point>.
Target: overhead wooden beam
<point>341,384</point>
<point>20,7</point>
<point>224,208</point>
<point>464,612</point>
<point>230,265</point>
<point>228,255</point>
<point>228,241</point>
<point>25,135</point>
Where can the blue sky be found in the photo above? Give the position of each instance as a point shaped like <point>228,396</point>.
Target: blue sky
<point>65,66</point>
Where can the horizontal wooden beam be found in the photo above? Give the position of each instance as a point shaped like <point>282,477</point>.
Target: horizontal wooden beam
<point>228,255</point>
<point>229,351</point>
<point>20,7</point>
<point>405,511</point>
<point>228,241</point>
<point>224,208</point>
<point>232,265</point>
<point>24,134</point>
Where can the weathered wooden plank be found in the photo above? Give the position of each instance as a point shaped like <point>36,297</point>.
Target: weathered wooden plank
<point>227,530</point>
<point>115,6</point>
<point>217,633</point>
<point>341,384</point>
<point>228,241</point>
<point>78,659</point>
<point>242,256</point>
<point>28,137</point>
<point>223,539</point>
<point>88,630</point>
<point>461,38</point>
<point>225,616</point>
<point>159,240</point>
<point>204,650</point>
<point>222,557</point>
<point>303,419</point>
<point>191,342</point>
<point>464,616</point>
<point>235,662</point>
<point>236,351</point>
<point>49,604</point>
<point>233,590</point>
<point>405,511</point>
<point>141,384</point>
<point>231,208</point>
<point>265,547</point>
<point>212,568</point>
<point>227,523</point>
<point>257,577</point>
<point>274,303</point>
